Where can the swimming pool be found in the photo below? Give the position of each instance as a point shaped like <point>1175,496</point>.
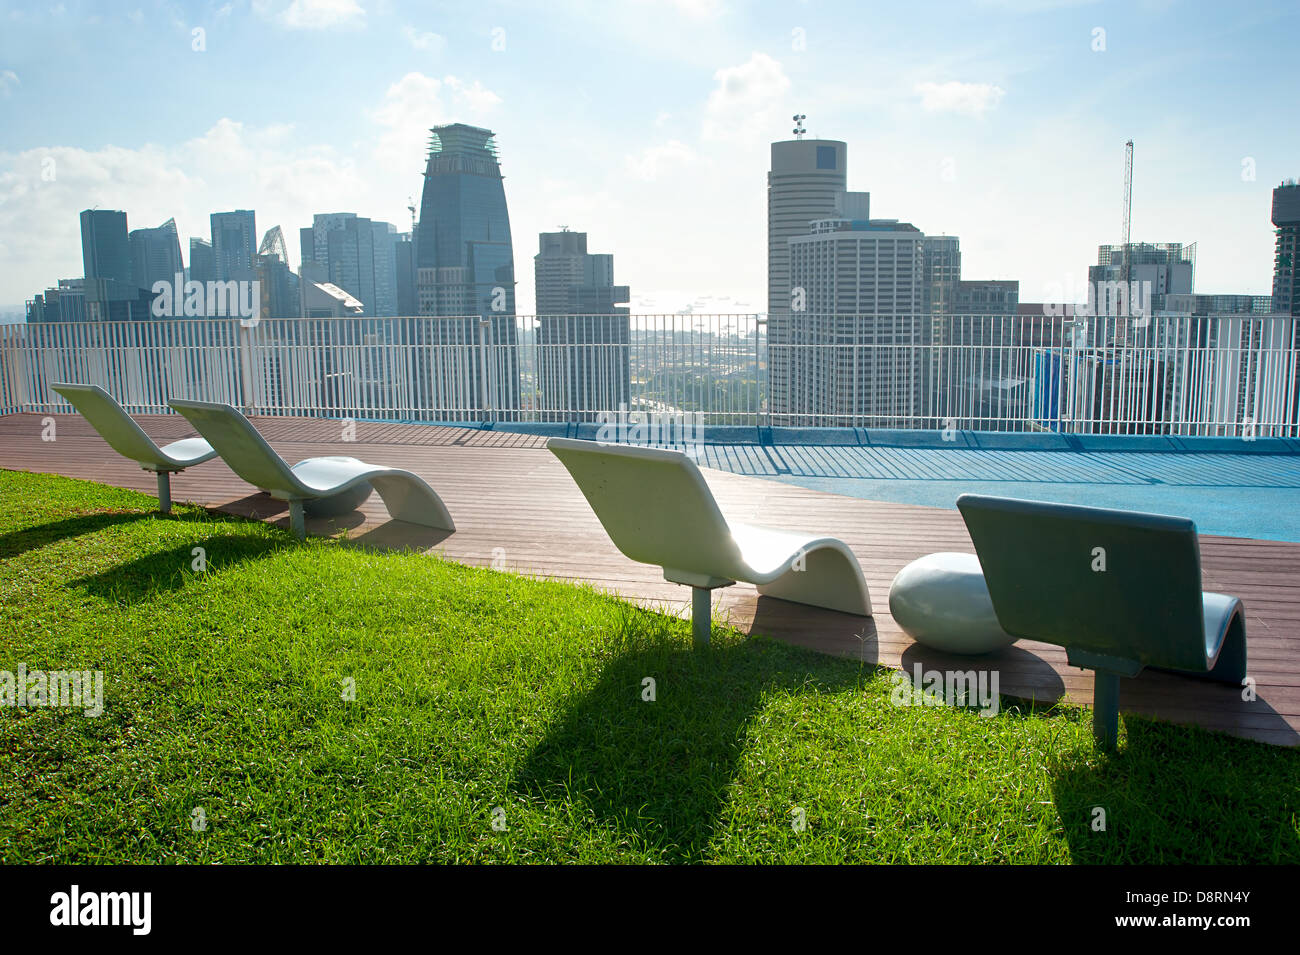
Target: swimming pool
<point>1227,485</point>
<point>1236,495</point>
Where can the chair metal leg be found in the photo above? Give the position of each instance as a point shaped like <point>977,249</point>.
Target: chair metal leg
<point>701,615</point>
<point>1105,709</point>
<point>164,491</point>
<point>297,523</point>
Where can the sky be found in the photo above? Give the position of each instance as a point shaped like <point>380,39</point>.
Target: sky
<point>647,124</point>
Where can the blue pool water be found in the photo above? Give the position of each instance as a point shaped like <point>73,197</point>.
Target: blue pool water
<point>1236,495</point>
<point>1227,486</point>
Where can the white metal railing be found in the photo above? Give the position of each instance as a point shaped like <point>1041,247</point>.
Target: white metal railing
<point>1218,375</point>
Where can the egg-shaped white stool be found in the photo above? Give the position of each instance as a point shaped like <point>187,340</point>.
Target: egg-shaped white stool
<point>941,601</point>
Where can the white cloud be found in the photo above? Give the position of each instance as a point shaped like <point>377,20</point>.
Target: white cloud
<point>230,166</point>
<point>474,97</point>
<point>1021,7</point>
<point>424,40</point>
<point>416,102</point>
<point>694,9</point>
<point>747,101</point>
<point>312,14</point>
<point>8,80</point>
<point>700,9</point>
<point>656,160</point>
<point>972,99</point>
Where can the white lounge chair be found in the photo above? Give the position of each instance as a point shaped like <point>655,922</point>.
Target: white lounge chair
<point>657,508</point>
<point>406,495</point>
<point>128,439</point>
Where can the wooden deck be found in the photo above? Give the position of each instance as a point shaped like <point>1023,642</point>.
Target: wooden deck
<point>514,504</point>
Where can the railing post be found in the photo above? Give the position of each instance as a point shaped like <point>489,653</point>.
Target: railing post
<point>244,339</point>
<point>483,367</point>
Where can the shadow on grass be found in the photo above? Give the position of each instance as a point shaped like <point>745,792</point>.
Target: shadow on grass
<point>1022,676</point>
<point>1174,795</point>
<point>41,535</point>
<point>389,535</point>
<point>661,769</point>
<point>169,570</point>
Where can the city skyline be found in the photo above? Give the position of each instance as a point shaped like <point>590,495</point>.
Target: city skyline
<point>957,144</point>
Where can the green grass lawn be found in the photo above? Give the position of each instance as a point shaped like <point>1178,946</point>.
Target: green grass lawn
<point>484,698</point>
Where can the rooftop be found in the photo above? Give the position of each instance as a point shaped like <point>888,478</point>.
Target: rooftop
<point>551,532</point>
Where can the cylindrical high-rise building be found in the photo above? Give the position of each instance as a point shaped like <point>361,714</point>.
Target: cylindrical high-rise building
<point>805,181</point>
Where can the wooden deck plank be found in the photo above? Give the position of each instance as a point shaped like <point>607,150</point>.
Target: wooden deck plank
<point>515,504</point>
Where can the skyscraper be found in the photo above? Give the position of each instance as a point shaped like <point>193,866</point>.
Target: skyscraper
<point>983,378</point>
<point>306,245</point>
<point>203,263</point>
<point>357,256</point>
<point>583,334</point>
<point>558,266</point>
<point>65,302</point>
<point>404,266</point>
<point>806,179</point>
<point>105,247</point>
<point>1286,274</point>
<point>465,259</point>
<point>278,286</point>
<point>465,268</point>
<point>1222,304</point>
<point>111,293</point>
<point>970,367</point>
<point>942,273</point>
<point>1226,369</point>
<point>1160,269</point>
<point>384,244</point>
<point>156,255</point>
<point>805,184</point>
<point>856,347</point>
<point>234,243</point>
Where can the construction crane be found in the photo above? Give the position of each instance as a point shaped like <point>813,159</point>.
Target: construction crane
<point>1128,212</point>
<point>410,207</point>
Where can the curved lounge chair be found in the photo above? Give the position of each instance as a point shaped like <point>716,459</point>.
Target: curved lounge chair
<point>1141,606</point>
<point>657,508</point>
<point>406,495</point>
<point>128,439</point>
